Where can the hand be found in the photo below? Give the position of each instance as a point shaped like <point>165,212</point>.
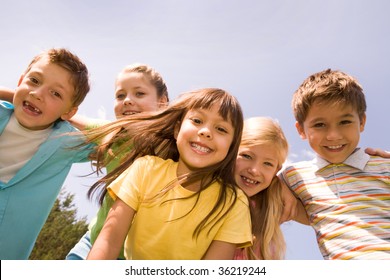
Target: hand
<point>377,152</point>
<point>290,204</point>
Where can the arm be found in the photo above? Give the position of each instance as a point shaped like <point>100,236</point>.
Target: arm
<point>220,250</point>
<point>292,207</point>
<point>377,152</point>
<point>113,234</point>
<point>7,94</point>
<point>81,122</point>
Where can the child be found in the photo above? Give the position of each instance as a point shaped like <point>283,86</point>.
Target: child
<point>35,155</point>
<point>177,183</point>
<point>262,152</point>
<point>346,193</point>
<point>138,88</point>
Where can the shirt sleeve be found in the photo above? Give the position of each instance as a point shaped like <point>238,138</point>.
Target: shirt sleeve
<point>237,227</point>
<point>127,185</point>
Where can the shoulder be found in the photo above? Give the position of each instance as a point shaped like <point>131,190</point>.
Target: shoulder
<point>64,126</point>
<point>6,105</point>
<point>153,164</point>
<point>378,164</point>
<point>6,108</point>
<point>298,166</point>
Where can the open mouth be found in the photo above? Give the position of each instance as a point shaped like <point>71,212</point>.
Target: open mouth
<point>30,107</point>
<point>335,148</point>
<point>128,113</point>
<point>249,181</point>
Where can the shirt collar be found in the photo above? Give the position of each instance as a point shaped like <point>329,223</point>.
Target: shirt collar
<point>358,159</point>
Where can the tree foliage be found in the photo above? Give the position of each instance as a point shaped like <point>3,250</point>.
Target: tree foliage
<point>61,231</point>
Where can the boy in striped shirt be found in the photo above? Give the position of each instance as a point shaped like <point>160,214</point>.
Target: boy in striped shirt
<point>345,192</point>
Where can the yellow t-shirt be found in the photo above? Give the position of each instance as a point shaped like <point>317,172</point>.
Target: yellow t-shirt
<point>158,231</point>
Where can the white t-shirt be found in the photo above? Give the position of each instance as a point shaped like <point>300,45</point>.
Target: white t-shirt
<point>17,146</point>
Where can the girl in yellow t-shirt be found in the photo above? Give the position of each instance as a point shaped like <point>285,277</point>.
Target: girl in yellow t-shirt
<point>175,193</point>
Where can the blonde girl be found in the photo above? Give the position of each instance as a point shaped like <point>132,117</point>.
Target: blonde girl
<point>262,152</point>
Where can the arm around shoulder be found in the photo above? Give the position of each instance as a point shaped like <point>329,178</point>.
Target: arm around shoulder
<point>7,94</point>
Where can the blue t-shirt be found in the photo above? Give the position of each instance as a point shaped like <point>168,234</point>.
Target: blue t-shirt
<point>26,199</point>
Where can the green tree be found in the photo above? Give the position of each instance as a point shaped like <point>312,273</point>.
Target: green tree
<point>61,231</point>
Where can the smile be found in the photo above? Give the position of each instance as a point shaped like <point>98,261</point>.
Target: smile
<point>201,148</point>
<point>128,113</point>
<point>31,107</point>
<point>250,181</point>
<point>336,147</point>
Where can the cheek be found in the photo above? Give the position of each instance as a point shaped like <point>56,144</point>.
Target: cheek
<point>148,105</point>
<point>118,105</point>
<point>268,177</point>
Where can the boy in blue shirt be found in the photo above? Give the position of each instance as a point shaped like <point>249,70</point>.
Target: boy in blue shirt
<point>36,154</point>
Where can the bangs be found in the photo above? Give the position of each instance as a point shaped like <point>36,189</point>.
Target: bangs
<point>229,109</point>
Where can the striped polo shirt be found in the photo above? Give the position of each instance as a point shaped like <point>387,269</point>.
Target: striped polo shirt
<point>348,204</point>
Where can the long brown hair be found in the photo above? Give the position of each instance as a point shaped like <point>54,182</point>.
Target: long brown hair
<point>152,133</point>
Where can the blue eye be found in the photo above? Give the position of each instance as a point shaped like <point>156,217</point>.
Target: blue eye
<point>245,156</point>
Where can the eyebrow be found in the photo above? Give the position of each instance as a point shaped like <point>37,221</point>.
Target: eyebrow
<point>40,74</point>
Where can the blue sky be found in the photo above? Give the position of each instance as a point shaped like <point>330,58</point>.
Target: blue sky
<point>260,51</point>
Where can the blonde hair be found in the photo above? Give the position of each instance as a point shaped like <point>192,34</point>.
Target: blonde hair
<point>266,206</point>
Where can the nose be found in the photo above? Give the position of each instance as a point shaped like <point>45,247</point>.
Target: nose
<point>35,94</point>
<point>334,134</point>
<point>254,171</point>
<point>128,100</point>
<point>205,132</point>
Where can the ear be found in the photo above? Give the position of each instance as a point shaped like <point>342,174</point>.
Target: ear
<point>67,116</point>
<point>176,130</point>
<point>301,130</point>
<point>163,101</point>
<point>363,122</point>
<point>20,79</point>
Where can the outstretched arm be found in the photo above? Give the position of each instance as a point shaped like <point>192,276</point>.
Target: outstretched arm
<point>7,94</point>
<point>82,122</point>
<point>112,236</point>
<point>377,152</point>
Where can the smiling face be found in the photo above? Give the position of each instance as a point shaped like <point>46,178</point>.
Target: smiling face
<point>332,129</point>
<point>135,94</point>
<point>44,95</point>
<point>203,139</point>
<point>256,166</point>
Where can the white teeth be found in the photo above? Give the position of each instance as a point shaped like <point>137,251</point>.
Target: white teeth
<point>200,148</point>
<point>335,147</point>
<point>32,107</point>
<point>129,113</point>
<point>249,180</point>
